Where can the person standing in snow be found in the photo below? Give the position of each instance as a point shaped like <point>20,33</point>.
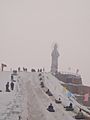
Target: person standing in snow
<point>7,87</point>
<point>11,77</point>
<point>12,86</point>
<point>18,69</point>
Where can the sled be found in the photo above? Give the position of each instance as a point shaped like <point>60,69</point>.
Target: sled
<point>69,109</point>
<point>58,101</point>
<point>50,110</point>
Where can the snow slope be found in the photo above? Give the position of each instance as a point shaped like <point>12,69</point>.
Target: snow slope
<point>11,103</point>
<point>58,90</point>
<point>29,101</point>
<point>43,101</point>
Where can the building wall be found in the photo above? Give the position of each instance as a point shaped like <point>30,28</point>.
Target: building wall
<point>69,78</point>
<point>74,84</point>
<point>80,90</point>
<point>81,101</point>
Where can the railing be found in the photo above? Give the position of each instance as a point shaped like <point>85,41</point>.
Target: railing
<point>71,73</point>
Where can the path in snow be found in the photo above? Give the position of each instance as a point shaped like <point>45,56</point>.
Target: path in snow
<point>38,102</point>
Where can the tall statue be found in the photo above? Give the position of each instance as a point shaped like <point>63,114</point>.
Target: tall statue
<point>55,55</point>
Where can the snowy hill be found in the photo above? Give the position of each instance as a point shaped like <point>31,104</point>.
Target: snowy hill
<point>29,100</point>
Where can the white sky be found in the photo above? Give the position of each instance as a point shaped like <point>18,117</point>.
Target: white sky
<point>28,28</point>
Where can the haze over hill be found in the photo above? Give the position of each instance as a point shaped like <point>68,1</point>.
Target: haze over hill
<point>28,29</point>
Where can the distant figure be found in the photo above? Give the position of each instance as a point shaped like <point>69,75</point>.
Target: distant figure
<point>19,117</point>
<point>12,86</point>
<point>2,66</point>
<point>7,87</point>
<point>0,90</point>
<point>80,112</point>
<point>42,84</point>
<point>50,108</point>
<point>58,101</point>
<point>40,74</point>
<point>25,69</point>
<point>69,108</point>
<point>40,78</point>
<point>80,115</point>
<point>14,72</point>
<point>40,70</point>
<point>18,69</point>
<point>11,77</point>
<point>49,93</point>
<point>33,70</point>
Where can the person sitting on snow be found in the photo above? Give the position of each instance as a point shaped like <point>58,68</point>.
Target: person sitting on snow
<point>80,112</point>
<point>42,84</point>
<point>58,101</point>
<point>69,108</point>
<point>49,93</point>
<point>50,108</point>
<point>80,115</point>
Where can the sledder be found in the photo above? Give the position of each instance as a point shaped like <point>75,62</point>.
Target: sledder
<point>42,84</point>
<point>69,108</point>
<point>58,101</point>
<point>80,115</point>
<point>50,108</point>
<point>49,93</point>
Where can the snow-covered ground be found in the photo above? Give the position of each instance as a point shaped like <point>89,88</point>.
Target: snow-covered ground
<point>10,102</point>
<point>29,101</point>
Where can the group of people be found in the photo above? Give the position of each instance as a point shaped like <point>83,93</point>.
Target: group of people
<point>70,107</point>
<point>9,86</point>
<point>24,69</point>
<point>41,70</point>
<point>79,115</point>
<point>41,78</point>
<point>32,70</point>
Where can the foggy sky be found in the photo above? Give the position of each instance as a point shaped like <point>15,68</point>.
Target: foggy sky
<point>29,28</point>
